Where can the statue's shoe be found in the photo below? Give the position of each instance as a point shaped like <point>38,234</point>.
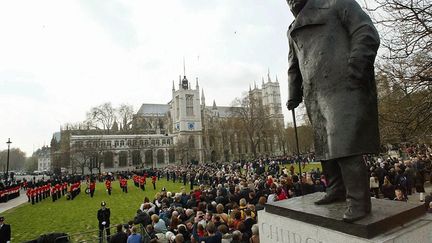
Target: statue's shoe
<point>352,215</point>
<point>328,199</point>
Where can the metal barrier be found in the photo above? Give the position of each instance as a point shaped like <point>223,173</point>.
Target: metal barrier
<point>85,237</point>
<point>92,236</point>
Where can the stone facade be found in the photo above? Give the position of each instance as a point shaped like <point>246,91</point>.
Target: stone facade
<point>44,159</point>
<point>184,129</point>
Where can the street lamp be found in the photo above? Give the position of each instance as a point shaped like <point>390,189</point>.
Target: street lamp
<point>7,163</point>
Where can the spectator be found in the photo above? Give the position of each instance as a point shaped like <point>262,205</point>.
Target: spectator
<point>158,224</point>
<point>120,236</point>
<point>134,237</point>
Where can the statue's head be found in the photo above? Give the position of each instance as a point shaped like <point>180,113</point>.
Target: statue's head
<point>296,6</point>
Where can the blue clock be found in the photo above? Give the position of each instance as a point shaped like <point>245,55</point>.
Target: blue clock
<point>191,125</point>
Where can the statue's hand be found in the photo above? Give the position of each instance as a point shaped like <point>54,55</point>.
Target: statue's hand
<point>292,104</point>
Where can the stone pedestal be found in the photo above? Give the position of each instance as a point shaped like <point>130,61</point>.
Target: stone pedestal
<point>298,220</point>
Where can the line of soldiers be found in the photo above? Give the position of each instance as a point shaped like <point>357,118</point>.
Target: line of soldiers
<point>74,190</point>
<point>140,180</point>
<point>9,192</point>
<point>40,190</point>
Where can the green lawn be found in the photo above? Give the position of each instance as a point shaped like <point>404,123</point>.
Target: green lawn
<point>77,216</point>
<point>29,221</point>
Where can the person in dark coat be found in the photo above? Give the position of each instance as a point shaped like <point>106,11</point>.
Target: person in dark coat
<point>120,236</point>
<point>5,231</point>
<point>332,49</point>
<point>103,216</point>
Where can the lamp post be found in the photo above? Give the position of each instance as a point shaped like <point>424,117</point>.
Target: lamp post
<point>7,163</point>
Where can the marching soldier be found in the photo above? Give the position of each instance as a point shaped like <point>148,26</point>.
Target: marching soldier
<point>123,184</point>
<point>108,186</point>
<point>92,187</point>
<point>154,181</point>
<point>142,182</point>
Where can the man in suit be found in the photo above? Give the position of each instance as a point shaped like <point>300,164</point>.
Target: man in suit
<point>5,231</point>
<point>103,216</point>
<point>120,236</point>
<point>332,49</point>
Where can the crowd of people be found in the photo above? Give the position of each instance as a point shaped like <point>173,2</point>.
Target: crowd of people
<point>224,198</point>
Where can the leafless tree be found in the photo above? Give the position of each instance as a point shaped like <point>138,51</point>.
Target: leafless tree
<point>253,117</point>
<point>125,115</point>
<point>101,117</point>
<point>405,68</point>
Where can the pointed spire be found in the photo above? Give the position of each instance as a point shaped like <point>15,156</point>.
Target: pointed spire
<point>262,81</point>
<point>180,81</point>
<point>184,67</point>
<point>268,75</point>
<point>173,88</point>
<point>255,85</point>
<point>214,105</point>
<point>250,88</point>
<point>277,81</point>
<point>202,98</point>
<point>196,84</point>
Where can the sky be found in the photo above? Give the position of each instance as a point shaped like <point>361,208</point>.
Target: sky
<point>60,58</point>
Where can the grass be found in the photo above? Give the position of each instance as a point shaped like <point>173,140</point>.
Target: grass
<point>77,216</point>
<point>72,217</point>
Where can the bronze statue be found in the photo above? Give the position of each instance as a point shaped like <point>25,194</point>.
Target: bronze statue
<point>332,49</point>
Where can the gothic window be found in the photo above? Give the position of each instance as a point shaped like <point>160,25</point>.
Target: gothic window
<point>116,143</point>
<point>157,142</point>
<point>122,143</point>
<point>145,142</point>
<point>177,104</point>
<point>135,142</point>
<point>163,142</point>
<point>108,143</point>
<point>129,142</point>
<point>169,141</point>
<point>189,105</point>
<point>141,142</point>
<point>191,142</point>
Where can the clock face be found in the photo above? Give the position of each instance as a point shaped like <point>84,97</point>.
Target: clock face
<point>191,125</point>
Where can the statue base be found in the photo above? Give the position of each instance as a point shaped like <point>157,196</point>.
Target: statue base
<point>299,220</point>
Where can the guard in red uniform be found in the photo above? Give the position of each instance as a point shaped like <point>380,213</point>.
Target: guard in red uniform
<point>53,193</point>
<point>154,182</point>
<point>108,186</point>
<point>123,184</point>
<point>28,193</point>
<point>92,187</point>
<point>142,181</point>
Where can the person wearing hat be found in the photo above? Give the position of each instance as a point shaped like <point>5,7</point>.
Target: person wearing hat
<point>103,216</point>
<point>5,231</point>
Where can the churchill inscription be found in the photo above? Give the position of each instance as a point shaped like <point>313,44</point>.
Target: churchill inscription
<point>278,233</point>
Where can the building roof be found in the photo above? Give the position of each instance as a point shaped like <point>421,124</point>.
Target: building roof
<point>224,111</point>
<point>153,110</point>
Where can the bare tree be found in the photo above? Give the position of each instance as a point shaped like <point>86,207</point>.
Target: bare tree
<point>252,118</point>
<point>405,71</point>
<point>125,115</point>
<point>101,117</point>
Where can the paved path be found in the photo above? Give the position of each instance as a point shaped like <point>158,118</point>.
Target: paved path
<point>14,202</point>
